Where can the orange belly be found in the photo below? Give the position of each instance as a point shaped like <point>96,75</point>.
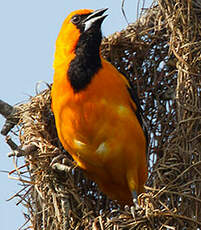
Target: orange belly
<point>110,149</point>
<point>99,128</point>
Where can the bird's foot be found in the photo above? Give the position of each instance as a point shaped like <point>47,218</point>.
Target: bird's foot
<point>58,158</point>
<point>135,207</point>
<point>59,163</point>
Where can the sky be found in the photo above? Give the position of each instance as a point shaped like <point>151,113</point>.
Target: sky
<point>29,29</point>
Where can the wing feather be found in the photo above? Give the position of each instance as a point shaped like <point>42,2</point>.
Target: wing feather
<point>137,109</point>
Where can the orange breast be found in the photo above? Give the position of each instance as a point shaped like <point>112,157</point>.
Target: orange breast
<point>98,127</point>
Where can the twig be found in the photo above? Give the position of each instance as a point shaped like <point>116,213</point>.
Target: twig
<point>5,109</point>
<point>11,143</point>
<point>18,178</point>
<point>123,11</point>
<point>17,151</point>
<point>10,113</point>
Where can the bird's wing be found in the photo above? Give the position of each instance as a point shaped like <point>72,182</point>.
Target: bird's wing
<point>138,111</point>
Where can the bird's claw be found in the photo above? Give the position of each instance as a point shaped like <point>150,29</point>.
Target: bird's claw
<point>134,208</point>
<point>57,159</point>
<point>55,163</point>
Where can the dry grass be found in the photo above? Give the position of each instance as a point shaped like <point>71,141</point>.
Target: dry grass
<point>161,53</point>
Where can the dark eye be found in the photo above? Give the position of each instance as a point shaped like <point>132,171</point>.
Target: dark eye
<point>76,19</point>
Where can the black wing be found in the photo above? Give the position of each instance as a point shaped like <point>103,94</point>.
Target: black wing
<point>139,113</point>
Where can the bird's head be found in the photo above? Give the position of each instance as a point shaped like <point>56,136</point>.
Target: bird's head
<point>79,25</point>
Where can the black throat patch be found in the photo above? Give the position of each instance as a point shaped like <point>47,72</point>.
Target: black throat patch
<point>87,61</point>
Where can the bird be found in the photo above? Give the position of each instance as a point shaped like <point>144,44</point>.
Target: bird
<point>97,113</point>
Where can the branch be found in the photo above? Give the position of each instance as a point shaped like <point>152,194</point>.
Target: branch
<point>11,115</point>
<point>18,151</point>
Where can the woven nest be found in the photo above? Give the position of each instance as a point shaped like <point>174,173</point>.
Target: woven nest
<point>161,54</point>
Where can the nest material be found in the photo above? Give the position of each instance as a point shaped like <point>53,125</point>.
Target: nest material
<point>161,54</point>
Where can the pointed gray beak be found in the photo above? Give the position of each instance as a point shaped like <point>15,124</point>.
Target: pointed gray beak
<point>96,16</point>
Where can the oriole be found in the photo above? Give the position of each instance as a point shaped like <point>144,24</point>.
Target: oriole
<point>98,118</point>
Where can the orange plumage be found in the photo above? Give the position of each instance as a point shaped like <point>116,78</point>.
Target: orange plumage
<point>94,111</point>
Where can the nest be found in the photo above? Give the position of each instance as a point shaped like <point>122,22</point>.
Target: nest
<point>161,54</point>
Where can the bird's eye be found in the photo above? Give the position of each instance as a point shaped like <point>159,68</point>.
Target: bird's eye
<point>76,19</point>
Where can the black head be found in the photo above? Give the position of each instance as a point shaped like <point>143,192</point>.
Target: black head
<point>87,61</point>
<point>88,21</point>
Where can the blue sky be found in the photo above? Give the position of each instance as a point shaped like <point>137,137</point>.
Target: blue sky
<point>28,33</point>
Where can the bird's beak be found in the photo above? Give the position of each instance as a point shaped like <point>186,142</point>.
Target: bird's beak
<point>96,16</point>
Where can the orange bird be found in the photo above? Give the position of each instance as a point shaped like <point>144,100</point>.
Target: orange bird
<point>97,114</point>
